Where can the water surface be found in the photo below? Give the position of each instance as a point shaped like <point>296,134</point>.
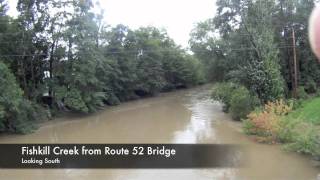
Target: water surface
<point>186,116</point>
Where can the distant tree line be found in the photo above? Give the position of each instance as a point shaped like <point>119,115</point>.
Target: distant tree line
<point>59,55</point>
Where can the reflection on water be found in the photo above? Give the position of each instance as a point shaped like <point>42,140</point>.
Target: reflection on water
<point>186,116</point>
<point>199,126</point>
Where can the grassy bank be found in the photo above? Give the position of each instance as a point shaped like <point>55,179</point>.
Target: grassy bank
<point>309,111</point>
<point>297,127</point>
<point>294,123</point>
<point>306,128</point>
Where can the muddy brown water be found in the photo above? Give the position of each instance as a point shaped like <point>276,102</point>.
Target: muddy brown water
<point>186,116</point>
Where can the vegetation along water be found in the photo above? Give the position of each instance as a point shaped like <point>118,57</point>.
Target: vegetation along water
<point>59,56</point>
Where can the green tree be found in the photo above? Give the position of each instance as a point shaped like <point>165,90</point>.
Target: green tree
<point>61,56</point>
<point>238,45</point>
<point>80,88</point>
<point>16,113</point>
<point>263,69</point>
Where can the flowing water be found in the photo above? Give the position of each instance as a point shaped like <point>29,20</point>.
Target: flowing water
<point>186,116</point>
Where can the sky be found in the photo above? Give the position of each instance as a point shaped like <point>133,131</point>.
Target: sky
<point>178,17</point>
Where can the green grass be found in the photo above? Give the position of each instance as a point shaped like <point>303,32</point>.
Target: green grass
<point>299,131</point>
<point>308,112</point>
<point>302,128</point>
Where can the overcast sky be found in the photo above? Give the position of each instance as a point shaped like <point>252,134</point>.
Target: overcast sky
<point>177,16</point>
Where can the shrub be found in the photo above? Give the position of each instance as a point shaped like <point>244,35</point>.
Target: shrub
<point>263,124</point>
<point>266,123</point>
<point>295,103</point>
<point>248,127</point>
<point>306,139</point>
<point>113,99</point>
<point>310,86</point>
<point>222,92</point>
<point>264,77</point>
<point>16,113</point>
<point>286,133</point>
<point>317,94</point>
<point>302,94</point>
<point>242,103</point>
<point>23,120</point>
<point>276,123</point>
<point>236,98</point>
<point>278,107</point>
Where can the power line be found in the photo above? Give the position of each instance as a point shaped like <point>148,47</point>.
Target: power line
<point>235,34</point>
<point>137,52</point>
<point>28,42</point>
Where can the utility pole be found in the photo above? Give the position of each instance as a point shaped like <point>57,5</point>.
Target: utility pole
<point>295,71</point>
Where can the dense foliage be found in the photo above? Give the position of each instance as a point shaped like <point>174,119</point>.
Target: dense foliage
<point>59,55</point>
<point>280,122</point>
<point>236,98</point>
<point>16,113</point>
<point>249,46</point>
<point>250,42</point>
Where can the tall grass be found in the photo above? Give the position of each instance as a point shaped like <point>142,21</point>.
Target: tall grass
<point>279,122</point>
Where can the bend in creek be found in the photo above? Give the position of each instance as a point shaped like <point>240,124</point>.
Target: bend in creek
<point>186,116</point>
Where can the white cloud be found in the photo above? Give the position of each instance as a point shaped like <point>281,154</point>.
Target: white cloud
<point>177,16</point>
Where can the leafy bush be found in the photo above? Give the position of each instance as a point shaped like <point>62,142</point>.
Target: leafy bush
<point>294,103</point>
<point>23,121</point>
<point>302,94</point>
<point>317,93</point>
<point>113,99</point>
<point>276,123</point>
<point>223,92</point>
<point>286,133</point>
<point>264,78</point>
<point>279,107</point>
<point>16,113</point>
<point>310,86</point>
<point>263,124</point>
<point>242,103</point>
<point>266,123</point>
<point>306,139</point>
<point>78,101</point>
<point>236,98</point>
<point>300,128</point>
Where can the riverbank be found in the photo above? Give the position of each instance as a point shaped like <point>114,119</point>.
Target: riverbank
<point>184,116</point>
<point>293,122</point>
<point>295,126</point>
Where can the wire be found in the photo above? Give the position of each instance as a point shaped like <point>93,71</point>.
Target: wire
<point>146,51</point>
